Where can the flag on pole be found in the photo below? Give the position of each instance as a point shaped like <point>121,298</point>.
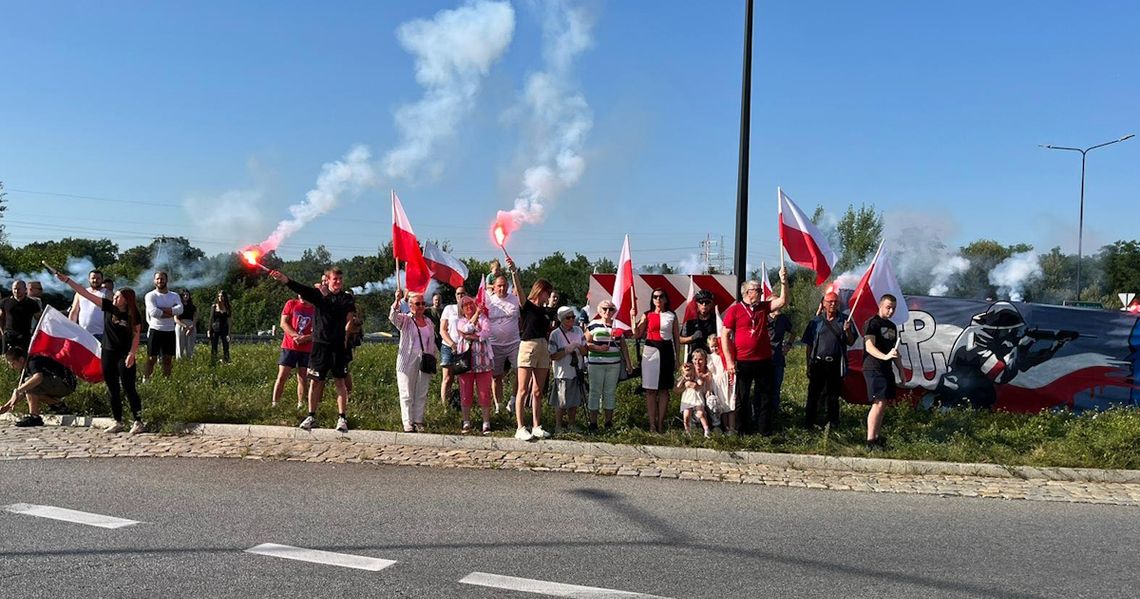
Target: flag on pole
<point>766,293</point>
<point>481,294</point>
<point>690,311</point>
<point>67,343</point>
<point>623,289</point>
<point>805,244</point>
<point>405,247</point>
<point>444,267</point>
<point>877,281</point>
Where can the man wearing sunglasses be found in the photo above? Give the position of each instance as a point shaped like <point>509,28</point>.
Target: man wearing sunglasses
<point>747,350</point>
<point>696,331</point>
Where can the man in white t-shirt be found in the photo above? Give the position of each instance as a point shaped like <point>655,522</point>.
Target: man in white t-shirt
<point>447,348</point>
<point>87,313</point>
<point>162,308</point>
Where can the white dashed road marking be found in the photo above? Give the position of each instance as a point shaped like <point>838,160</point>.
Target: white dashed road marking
<point>316,556</point>
<point>554,589</point>
<point>66,515</point>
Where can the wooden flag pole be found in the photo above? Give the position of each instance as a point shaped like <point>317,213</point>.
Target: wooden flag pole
<point>398,287</point>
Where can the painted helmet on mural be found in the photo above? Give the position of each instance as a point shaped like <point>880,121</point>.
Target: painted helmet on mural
<point>1001,321</point>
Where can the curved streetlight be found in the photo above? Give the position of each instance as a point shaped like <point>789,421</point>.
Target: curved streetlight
<point>1081,221</point>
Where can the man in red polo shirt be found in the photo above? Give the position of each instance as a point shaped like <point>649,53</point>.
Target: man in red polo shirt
<point>748,354</point>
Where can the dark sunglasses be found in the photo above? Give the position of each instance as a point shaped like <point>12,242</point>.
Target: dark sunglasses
<point>609,309</point>
<point>704,301</point>
<point>417,303</point>
<point>655,296</point>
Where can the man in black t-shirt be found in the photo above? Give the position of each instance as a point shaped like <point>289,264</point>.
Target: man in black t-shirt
<point>17,313</point>
<point>881,338</point>
<point>696,331</point>
<point>45,381</point>
<point>333,307</point>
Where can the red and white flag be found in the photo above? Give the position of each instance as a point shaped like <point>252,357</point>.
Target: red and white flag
<point>805,244</point>
<point>878,281</point>
<point>67,343</point>
<point>765,287</point>
<point>623,289</point>
<point>481,294</point>
<point>405,247</point>
<point>690,311</point>
<point>444,267</point>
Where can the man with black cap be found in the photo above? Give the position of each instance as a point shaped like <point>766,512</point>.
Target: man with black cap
<point>827,336</point>
<point>696,331</point>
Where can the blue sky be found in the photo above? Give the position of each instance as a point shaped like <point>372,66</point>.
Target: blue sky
<point>932,112</point>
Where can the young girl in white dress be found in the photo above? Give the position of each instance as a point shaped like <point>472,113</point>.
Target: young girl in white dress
<point>695,384</point>
<point>721,400</point>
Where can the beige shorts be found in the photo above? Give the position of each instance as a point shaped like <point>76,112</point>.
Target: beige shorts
<point>534,354</point>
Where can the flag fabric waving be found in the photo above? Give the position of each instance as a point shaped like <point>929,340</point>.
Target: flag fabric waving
<point>805,244</point>
<point>766,293</point>
<point>623,289</point>
<point>69,344</point>
<point>877,281</point>
<point>405,247</point>
<point>444,267</point>
<point>481,294</point>
<point>690,311</point>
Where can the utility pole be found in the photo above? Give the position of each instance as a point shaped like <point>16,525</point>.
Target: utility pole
<point>740,259</point>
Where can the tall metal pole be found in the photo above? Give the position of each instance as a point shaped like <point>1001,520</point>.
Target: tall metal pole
<point>739,263</point>
<point>1081,215</point>
<point>1081,224</point>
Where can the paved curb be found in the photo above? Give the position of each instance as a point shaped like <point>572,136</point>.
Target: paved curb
<point>555,446</point>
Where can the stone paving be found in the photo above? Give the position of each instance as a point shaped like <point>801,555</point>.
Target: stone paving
<point>67,442</point>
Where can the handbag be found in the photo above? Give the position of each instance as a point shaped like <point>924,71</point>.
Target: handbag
<point>461,363</point>
<point>427,361</point>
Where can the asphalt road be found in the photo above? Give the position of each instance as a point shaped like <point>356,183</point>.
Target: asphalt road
<point>661,537</point>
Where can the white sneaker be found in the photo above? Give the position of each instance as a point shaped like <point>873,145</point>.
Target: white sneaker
<point>307,423</point>
<point>136,428</point>
<point>538,433</point>
<point>523,435</point>
<point>300,406</point>
<point>114,428</point>
<point>341,425</point>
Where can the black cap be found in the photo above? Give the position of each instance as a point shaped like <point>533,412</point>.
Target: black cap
<point>703,296</point>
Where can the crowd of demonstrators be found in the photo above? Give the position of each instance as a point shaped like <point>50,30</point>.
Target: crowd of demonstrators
<point>881,353</point>
<point>535,319</point>
<point>607,357</point>
<point>473,355</point>
<point>163,306</point>
<point>333,308</point>
<point>658,326</point>
<point>86,313</point>
<point>448,341</point>
<point>747,349</point>
<point>17,313</point>
<point>416,359</point>
<point>296,346</point>
<point>218,331</point>
<point>186,327</point>
<point>826,338</point>
<point>122,330</point>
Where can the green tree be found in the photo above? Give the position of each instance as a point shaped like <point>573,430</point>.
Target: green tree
<point>859,234</point>
<point>1120,262</point>
<point>984,255</point>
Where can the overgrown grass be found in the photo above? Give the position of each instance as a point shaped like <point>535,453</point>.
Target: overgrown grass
<point>239,392</point>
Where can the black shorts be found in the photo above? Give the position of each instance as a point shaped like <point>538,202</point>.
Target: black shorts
<point>291,358</point>
<point>880,384</point>
<point>328,362</point>
<point>16,339</point>
<point>159,343</point>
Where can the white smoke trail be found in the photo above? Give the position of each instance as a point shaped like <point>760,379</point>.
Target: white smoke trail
<point>229,216</point>
<point>350,175</point>
<point>453,52</point>
<point>1014,273</point>
<point>76,268</point>
<point>944,271</point>
<point>695,264</point>
<point>559,114</point>
<point>182,273</point>
<point>921,257</point>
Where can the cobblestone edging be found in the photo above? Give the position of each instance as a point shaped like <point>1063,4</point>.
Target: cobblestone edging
<point>80,438</point>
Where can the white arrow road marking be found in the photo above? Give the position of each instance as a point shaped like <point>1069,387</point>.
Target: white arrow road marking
<point>316,556</point>
<point>553,589</point>
<point>59,513</point>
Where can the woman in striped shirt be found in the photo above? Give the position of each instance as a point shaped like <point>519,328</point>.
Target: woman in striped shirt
<point>607,356</point>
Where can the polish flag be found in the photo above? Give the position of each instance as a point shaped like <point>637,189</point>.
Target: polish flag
<point>690,311</point>
<point>766,293</point>
<point>407,248</point>
<point>623,289</point>
<point>444,267</point>
<point>481,294</point>
<point>805,244</point>
<point>69,344</point>
<point>877,281</point>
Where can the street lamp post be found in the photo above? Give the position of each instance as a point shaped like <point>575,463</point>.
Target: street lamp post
<point>740,258</point>
<point>1081,218</point>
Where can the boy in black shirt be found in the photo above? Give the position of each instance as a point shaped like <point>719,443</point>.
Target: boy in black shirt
<point>881,350</point>
<point>333,307</point>
<point>44,381</point>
